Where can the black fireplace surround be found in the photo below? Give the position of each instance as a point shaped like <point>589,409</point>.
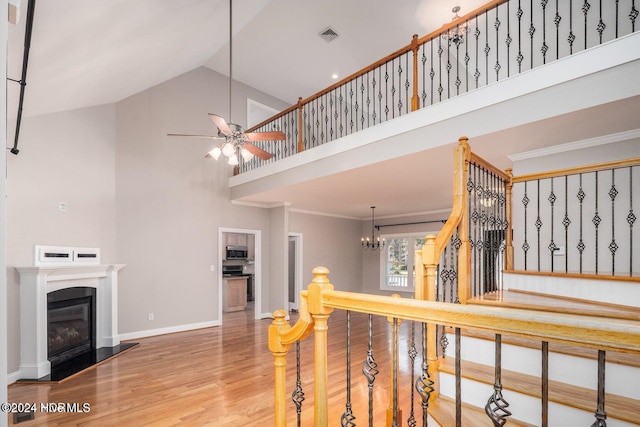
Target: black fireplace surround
<point>71,324</point>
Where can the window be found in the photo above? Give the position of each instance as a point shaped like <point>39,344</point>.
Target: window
<point>396,260</point>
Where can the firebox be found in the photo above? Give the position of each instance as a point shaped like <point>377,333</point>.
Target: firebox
<point>71,323</point>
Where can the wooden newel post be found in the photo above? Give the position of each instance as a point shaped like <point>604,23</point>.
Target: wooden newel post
<point>415,99</point>
<point>508,250</point>
<point>320,314</point>
<point>279,350</point>
<point>462,158</point>
<point>430,261</point>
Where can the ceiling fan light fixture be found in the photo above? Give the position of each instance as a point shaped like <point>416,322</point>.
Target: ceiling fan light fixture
<point>229,149</point>
<point>233,160</point>
<point>215,153</point>
<point>246,154</point>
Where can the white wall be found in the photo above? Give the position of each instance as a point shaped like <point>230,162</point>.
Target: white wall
<point>64,157</point>
<point>333,243</point>
<point>171,201</point>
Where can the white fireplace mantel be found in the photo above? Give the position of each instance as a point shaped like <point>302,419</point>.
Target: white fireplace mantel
<point>37,282</point>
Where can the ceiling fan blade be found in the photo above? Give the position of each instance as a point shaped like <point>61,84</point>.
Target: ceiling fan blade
<point>265,136</point>
<point>257,151</point>
<point>221,123</point>
<point>195,136</point>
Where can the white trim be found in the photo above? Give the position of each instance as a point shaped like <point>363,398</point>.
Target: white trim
<point>12,377</point>
<point>576,145</point>
<point>306,212</point>
<point>299,268</point>
<point>169,330</point>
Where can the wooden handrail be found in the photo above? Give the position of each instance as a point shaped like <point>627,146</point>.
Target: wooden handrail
<point>581,169</point>
<point>585,331</point>
<point>475,159</point>
<point>411,47</point>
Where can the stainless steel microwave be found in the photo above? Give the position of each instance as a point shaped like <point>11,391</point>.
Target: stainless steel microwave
<point>237,252</point>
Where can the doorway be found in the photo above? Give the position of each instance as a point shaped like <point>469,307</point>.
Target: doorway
<point>295,270</point>
<point>252,266</point>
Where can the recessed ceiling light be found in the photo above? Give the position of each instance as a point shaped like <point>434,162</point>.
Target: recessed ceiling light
<point>334,76</point>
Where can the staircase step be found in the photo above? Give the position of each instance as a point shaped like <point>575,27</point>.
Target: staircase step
<point>443,411</point>
<point>618,407</point>
<point>624,359</point>
<point>528,300</point>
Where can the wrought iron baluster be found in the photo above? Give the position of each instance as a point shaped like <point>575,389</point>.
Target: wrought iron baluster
<point>508,40</point>
<point>545,384</point>
<point>496,25</point>
<point>476,33</point>
<point>411,421</point>
<point>370,368</point>
<point>631,219</point>
<point>532,31</point>
<point>458,370</point>
<point>424,384</point>
<point>633,15</point>
<point>394,372</point>
<point>423,59</point>
<point>556,20</point>
<point>601,25</point>
<point>566,222</point>
<point>596,222</point>
<point>581,246</point>
<point>440,51</point>
<point>585,10</point>
<point>448,68</point>
<point>407,85</point>
<point>487,48</point>
<point>552,245</point>
<point>600,414</point>
<point>496,407</point>
<point>386,91</point>
<point>298,394</point>
<point>538,223</point>
<point>351,107</point>
<point>467,58</point>
<point>347,418</point>
<point>368,102</point>
<point>544,47</point>
<point>613,246</point>
<point>432,73</point>
<point>520,56</point>
<point>572,37</point>
<point>525,244</point>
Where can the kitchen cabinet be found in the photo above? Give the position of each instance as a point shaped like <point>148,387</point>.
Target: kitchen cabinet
<point>251,247</point>
<point>234,294</point>
<point>235,239</point>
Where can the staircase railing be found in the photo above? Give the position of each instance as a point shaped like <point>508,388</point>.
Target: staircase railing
<point>320,301</point>
<point>578,220</point>
<point>501,39</point>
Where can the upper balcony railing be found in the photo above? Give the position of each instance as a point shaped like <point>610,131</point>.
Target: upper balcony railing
<point>494,42</point>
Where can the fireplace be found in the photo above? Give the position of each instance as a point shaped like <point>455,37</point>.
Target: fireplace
<point>68,312</point>
<point>71,323</point>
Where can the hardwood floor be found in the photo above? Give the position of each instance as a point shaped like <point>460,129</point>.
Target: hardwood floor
<point>220,376</point>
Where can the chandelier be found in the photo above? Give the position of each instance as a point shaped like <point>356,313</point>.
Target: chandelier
<point>456,34</point>
<point>372,243</point>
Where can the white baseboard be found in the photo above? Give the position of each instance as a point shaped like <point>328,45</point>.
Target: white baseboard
<point>168,330</point>
<point>12,377</point>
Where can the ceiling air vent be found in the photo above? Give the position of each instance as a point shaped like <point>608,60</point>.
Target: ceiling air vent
<point>329,34</point>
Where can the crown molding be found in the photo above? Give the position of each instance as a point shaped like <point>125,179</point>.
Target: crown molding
<point>576,145</point>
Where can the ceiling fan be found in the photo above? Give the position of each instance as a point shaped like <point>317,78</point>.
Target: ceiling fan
<point>233,137</point>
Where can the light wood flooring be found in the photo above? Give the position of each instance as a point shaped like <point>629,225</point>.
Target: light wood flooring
<point>223,376</point>
<point>220,376</point>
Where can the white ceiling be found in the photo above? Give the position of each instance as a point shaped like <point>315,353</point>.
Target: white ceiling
<point>92,52</point>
